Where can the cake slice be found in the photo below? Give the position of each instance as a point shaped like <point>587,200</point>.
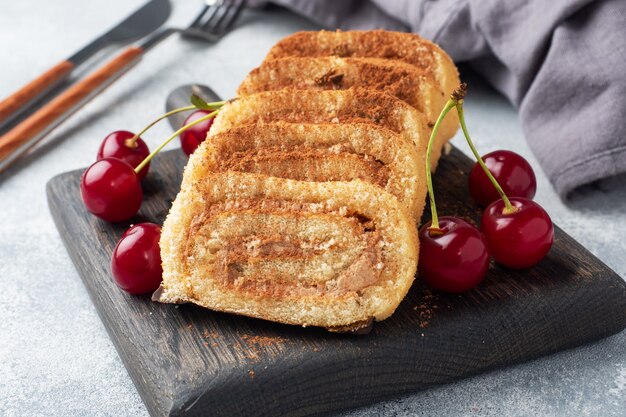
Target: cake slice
<point>335,254</point>
<point>319,152</point>
<point>425,56</point>
<point>357,105</point>
<point>398,46</point>
<point>406,82</point>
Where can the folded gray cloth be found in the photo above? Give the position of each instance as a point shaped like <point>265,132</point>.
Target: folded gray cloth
<point>561,62</point>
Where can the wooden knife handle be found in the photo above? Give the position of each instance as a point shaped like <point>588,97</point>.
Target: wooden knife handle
<point>33,89</point>
<point>66,102</point>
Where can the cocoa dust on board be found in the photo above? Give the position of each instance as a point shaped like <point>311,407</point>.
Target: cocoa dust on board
<point>256,345</point>
<point>213,336</point>
<point>427,308</point>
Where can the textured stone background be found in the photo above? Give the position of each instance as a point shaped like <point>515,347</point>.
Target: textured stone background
<point>55,356</point>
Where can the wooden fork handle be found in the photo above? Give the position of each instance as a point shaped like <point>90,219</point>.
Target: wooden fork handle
<point>42,121</point>
<point>35,88</point>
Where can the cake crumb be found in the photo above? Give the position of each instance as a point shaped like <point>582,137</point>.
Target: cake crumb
<point>426,309</point>
<point>258,345</point>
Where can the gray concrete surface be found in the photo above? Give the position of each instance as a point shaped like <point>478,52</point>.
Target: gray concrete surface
<point>55,356</point>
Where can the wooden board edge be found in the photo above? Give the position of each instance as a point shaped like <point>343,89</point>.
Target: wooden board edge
<point>145,390</point>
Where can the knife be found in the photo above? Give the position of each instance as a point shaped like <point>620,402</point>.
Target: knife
<point>139,24</point>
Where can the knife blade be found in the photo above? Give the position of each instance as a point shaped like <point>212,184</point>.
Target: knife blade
<point>142,22</point>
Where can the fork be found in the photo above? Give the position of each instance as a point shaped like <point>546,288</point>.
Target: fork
<point>214,20</point>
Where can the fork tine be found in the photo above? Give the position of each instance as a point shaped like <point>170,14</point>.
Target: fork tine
<point>238,9</point>
<point>198,19</point>
<point>212,26</point>
<point>211,9</point>
<point>226,20</point>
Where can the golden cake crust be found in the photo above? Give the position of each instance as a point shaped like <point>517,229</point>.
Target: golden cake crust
<point>398,46</point>
<point>407,82</point>
<point>319,152</point>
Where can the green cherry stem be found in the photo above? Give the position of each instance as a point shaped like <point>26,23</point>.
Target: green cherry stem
<point>508,207</point>
<point>132,142</point>
<point>168,140</point>
<point>434,228</point>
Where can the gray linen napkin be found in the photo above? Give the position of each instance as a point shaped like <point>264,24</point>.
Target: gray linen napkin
<point>561,62</point>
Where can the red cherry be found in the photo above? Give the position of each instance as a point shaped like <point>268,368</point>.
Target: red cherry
<point>115,146</point>
<point>136,260</point>
<point>521,239</point>
<point>513,173</point>
<point>191,138</point>
<point>111,190</point>
<point>455,261</point>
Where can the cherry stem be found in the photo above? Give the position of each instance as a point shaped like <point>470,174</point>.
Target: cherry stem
<point>132,142</point>
<point>508,207</point>
<point>168,140</point>
<point>434,228</point>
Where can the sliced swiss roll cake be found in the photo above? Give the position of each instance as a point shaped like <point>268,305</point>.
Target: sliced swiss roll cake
<point>357,105</point>
<point>406,82</point>
<point>397,46</point>
<point>406,47</point>
<point>331,254</point>
<point>318,152</point>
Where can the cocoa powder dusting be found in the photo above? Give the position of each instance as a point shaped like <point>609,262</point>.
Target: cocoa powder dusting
<point>304,164</point>
<point>331,78</point>
<point>258,345</point>
<point>211,338</point>
<point>255,344</point>
<point>405,47</point>
<point>426,309</point>
<point>396,78</point>
<point>263,341</point>
<point>359,105</point>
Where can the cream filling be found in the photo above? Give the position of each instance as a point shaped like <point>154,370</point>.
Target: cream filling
<point>285,253</point>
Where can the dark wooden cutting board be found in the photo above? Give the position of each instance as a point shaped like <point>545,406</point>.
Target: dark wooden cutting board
<point>186,360</point>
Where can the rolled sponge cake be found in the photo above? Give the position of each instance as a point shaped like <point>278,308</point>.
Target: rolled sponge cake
<point>319,152</point>
<point>301,206</point>
<point>356,105</point>
<point>408,48</point>
<point>407,82</point>
<point>331,254</point>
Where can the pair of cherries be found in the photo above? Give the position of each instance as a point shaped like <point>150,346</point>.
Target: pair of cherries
<point>111,189</point>
<point>514,230</point>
